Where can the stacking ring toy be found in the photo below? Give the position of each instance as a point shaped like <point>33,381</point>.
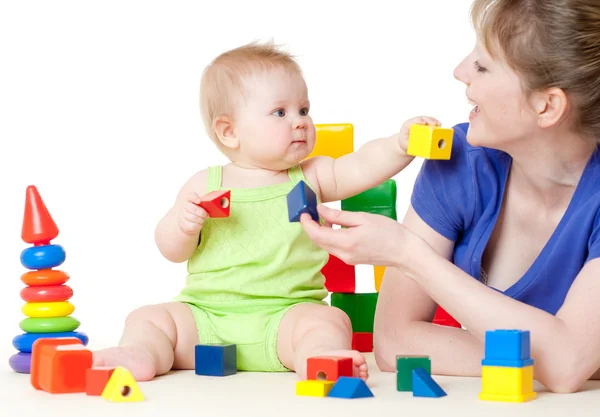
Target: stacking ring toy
<point>46,293</point>
<point>20,362</point>
<point>55,309</point>
<point>49,325</point>
<point>24,342</point>
<point>45,277</point>
<point>40,257</point>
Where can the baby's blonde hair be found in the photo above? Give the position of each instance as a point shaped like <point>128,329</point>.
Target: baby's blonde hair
<point>222,85</point>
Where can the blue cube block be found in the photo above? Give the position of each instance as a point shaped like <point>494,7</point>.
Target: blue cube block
<point>507,348</point>
<point>302,199</point>
<point>216,359</point>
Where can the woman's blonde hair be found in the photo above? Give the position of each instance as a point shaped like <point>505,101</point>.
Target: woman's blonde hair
<point>550,43</point>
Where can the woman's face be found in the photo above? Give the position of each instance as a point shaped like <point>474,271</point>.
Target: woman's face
<point>501,115</point>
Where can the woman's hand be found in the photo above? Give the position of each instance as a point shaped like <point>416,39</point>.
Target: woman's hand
<point>369,239</point>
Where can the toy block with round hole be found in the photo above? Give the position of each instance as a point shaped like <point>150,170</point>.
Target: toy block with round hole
<point>423,385</point>
<point>378,272</point>
<point>442,318</point>
<point>216,359</point>
<point>96,379</point>
<point>217,203</point>
<point>339,276</point>
<point>507,384</point>
<point>380,199</point>
<point>59,365</point>
<point>350,388</point>
<point>312,388</point>
<point>405,364</point>
<point>333,140</point>
<point>122,387</point>
<point>302,199</point>
<point>362,341</point>
<point>507,348</point>
<point>430,142</point>
<point>328,368</point>
<point>360,308</point>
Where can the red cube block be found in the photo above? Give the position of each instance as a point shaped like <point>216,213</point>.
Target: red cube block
<point>328,368</point>
<point>217,203</point>
<point>362,341</point>
<point>96,379</point>
<point>339,276</point>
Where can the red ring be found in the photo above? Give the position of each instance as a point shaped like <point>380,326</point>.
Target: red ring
<point>46,293</point>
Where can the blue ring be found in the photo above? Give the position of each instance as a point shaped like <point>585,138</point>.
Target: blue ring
<point>24,342</point>
<point>43,257</point>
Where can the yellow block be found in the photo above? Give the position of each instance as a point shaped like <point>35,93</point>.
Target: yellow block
<point>379,271</point>
<point>313,388</point>
<point>500,383</point>
<point>333,140</point>
<point>52,309</point>
<point>122,388</point>
<point>430,142</point>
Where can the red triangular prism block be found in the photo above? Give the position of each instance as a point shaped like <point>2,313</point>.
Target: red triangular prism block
<point>38,226</point>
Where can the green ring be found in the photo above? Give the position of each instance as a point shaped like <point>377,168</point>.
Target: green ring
<point>49,324</point>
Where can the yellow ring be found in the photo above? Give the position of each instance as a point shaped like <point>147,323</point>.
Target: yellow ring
<point>55,309</point>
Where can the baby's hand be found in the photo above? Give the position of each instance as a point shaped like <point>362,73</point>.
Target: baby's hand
<point>191,216</point>
<point>405,129</point>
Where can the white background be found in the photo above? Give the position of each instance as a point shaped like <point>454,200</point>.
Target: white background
<point>99,110</point>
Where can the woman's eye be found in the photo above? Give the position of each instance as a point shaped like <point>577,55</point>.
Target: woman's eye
<point>279,113</point>
<point>478,67</point>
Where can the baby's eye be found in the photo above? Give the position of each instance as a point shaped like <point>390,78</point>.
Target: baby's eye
<point>304,111</point>
<point>279,113</point>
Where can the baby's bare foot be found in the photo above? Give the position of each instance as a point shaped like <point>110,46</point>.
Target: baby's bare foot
<point>135,358</point>
<point>360,363</point>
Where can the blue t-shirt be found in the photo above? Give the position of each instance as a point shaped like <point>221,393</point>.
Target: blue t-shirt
<point>461,198</point>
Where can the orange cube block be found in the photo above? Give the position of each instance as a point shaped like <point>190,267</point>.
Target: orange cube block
<point>328,368</point>
<point>59,365</point>
<point>96,379</point>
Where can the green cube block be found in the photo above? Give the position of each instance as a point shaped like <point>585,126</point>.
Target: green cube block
<point>360,308</point>
<point>404,368</point>
<point>380,199</point>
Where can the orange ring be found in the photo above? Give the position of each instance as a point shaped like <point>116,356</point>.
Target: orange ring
<point>45,277</point>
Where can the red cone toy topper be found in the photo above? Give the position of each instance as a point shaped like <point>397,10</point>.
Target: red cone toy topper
<point>38,226</point>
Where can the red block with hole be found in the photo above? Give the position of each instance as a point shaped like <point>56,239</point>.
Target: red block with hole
<point>442,318</point>
<point>216,203</point>
<point>339,276</point>
<point>59,365</point>
<point>328,368</point>
<point>96,379</point>
<point>362,341</point>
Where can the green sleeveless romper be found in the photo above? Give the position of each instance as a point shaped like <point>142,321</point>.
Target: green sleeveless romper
<point>250,269</point>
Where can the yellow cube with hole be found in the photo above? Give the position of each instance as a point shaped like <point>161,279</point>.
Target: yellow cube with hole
<point>507,384</point>
<point>314,388</point>
<point>379,271</point>
<point>430,142</point>
<point>333,140</point>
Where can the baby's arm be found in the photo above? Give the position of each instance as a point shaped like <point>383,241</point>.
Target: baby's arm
<point>178,232</point>
<point>375,162</point>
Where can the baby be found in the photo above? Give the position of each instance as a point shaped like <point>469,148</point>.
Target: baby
<point>254,278</point>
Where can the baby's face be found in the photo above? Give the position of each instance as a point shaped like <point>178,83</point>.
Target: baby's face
<point>273,125</point>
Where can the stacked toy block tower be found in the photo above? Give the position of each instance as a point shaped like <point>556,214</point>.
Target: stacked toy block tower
<point>507,368</point>
<point>46,296</point>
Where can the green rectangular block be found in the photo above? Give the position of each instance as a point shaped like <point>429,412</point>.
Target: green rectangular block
<point>380,199</point>
<point>404,367</point>
<point>360,308</point>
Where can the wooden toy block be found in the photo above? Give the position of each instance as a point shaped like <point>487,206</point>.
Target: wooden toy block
<point>362,341</point>
<point>329,368</point>
<point>378,272</point>
<point>430,142</point>
<point>507,384</point>
<point>59,365</point>
<point>380,199</point>
<point>312,388</point>
<point>302,199</point>
<point>423,385</point>
<point>96,379</point>
<point>216,359</point>
<point>507,348</point>
<point>217,203</point>
<point>360,308</point>
<point>122,387</point>
<point>339,276</point>
<point>404,369</point>
<point>349,388</point>
<point>333,140</point>
<point>442,318</point>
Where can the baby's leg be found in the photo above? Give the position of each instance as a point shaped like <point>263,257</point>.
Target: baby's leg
<point>316,330</point>
<point>156,339</point>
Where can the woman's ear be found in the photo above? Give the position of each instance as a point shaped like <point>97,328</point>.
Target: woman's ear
<point>223,126</point>
<point>550,106</point>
